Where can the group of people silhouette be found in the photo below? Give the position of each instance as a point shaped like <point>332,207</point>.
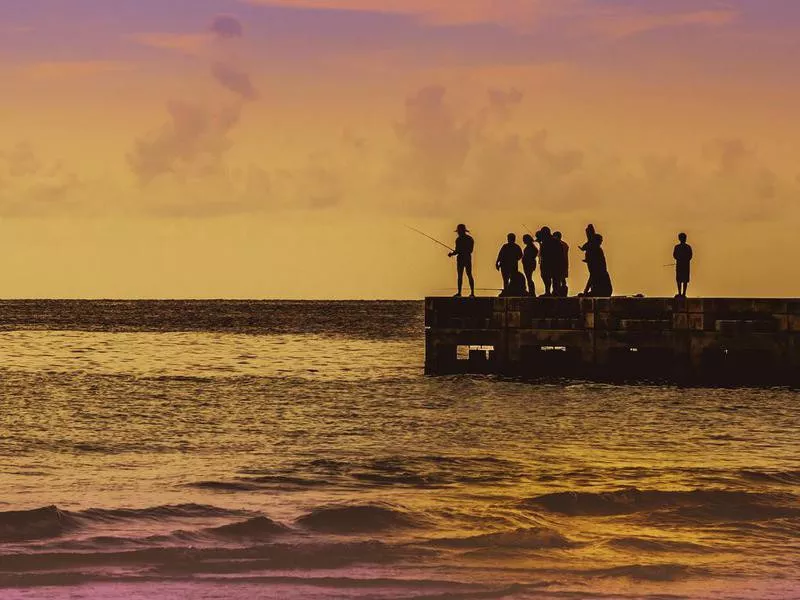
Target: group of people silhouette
<point>551,252</point>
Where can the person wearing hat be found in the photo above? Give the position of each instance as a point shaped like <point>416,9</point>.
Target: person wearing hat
<point>683,258</point>
<point>464,248</point>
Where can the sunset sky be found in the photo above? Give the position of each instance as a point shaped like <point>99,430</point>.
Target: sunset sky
<point>278,148</point>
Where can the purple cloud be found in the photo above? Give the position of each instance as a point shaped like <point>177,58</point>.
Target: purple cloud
<point>227,27</point>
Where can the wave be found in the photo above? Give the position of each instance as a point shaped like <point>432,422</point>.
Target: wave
<point>255,528</point>
<point>657,573</point>
<point>286,481</point>
<point>696,503</point>
<point>224,486</point>
<point>779,477</point>
<point>533,538</point>
<point>169,511</point>
<point>216,560</point>
<point>358,518</point>
<point>416,471</point>
<point>51,522</point>
<point>36,524</point>
<point>639,544</point>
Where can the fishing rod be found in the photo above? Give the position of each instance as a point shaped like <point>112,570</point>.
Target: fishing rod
<point>477,289</point>
<point>433,239</point>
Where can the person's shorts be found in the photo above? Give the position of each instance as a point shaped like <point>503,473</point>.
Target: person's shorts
<point>464,262</point>
<point>683,273</point>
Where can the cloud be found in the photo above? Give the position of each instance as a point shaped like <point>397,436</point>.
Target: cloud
<point>192,144</point>
<point>72,69</point>
<point>223,29</point>
<point>434,143</point>
<point>21,160</point>
<point>234,80</point>
<point>191,44</point>
<point>729,157</point>
<point>439,12</point>
<point>31,185</point>
<point>454,160</point>
<point>503,102</point>
<point>621,24</point>
<point>196,139</point>
<point>607,18</point>
<point>227,26</point>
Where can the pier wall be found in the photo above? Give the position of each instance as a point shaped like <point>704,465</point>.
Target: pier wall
<point>675,339</point>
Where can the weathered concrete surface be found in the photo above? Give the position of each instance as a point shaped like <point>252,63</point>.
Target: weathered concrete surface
<point>696,339</point>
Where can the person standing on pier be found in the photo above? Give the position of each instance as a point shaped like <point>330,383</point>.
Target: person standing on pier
<point>591,240</point>
<point>465,245</point>
<point>529,256</point>
<point>508,259</point>
<point>683,258</point>
<point>551,260</point>
<point>560,284</point>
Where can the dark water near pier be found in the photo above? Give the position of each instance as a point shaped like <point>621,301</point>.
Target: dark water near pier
<point>295,450</point>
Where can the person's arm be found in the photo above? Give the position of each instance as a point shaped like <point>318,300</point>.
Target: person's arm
<point>675,253</point>
<point>690,253</point>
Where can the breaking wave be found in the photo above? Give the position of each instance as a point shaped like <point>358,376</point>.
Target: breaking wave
<point>36,524</point>
<point>358,518</point>
<point>51,522</point>
<point>534,538</point>
<point>697,504</point>
<point>255,528</point>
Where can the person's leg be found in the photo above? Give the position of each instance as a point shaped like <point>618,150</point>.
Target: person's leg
<point>460,277</point>
<point>470,278</point>
<point>529,279</point>
<point>506,278</point>
<point>680,287</point>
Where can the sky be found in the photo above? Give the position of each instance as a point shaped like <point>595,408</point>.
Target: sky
<point>279,148</point>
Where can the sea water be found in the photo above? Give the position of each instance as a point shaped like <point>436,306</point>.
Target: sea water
<point>296,450</point>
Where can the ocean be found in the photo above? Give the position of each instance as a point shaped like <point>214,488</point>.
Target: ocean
<point>220,449</point>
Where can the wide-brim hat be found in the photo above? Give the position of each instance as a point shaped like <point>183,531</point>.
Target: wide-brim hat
<point>462,227</point>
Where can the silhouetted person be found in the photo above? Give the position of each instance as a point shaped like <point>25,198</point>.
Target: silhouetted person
<point>599,284</point>
<point>508,259</point>
<point>551,260</point>
<point>560,283</point>
<point>529,256</point>
<point>683,258</point>
<point>590,233</point>
<point>591,240</point>
<point>515,287</point>
<point>464,248</point>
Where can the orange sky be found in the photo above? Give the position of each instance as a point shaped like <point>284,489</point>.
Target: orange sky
<point>276,148</point>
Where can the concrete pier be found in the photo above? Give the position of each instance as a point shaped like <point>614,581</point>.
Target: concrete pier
<point>702,340</point>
